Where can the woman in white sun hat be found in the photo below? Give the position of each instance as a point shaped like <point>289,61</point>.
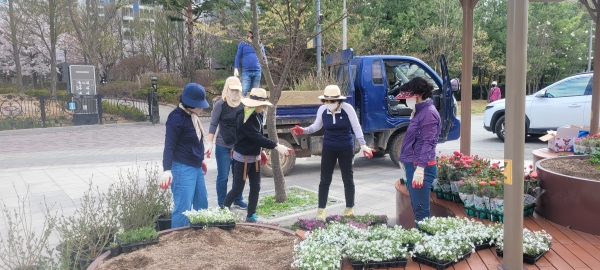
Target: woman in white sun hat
<point>340,121</point>
<point>247,150</point>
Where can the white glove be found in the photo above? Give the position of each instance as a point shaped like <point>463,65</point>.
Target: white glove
<point>236,72</point>
<point>417,181</point>
<point>283,150</point>
<point>367,152</point>
<point>165,179</point>
<point>208,149</point>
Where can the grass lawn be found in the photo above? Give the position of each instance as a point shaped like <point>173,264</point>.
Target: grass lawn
<point>298,200</point>
<point>477,106</point>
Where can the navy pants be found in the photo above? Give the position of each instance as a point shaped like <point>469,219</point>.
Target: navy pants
<point>239,182</point>
<point>328,161</point>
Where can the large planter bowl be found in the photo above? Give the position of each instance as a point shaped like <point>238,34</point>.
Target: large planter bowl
<point>569,201</point>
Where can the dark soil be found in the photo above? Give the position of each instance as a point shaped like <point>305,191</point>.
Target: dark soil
<point>243,248</point>
<point>580,168</point>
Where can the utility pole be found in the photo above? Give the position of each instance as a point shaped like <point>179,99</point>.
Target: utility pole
<point>318,37</point>
<point>345,30</point>
<point>590,46</point>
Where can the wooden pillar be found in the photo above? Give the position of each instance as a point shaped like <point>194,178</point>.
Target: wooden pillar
<point>466,94</point>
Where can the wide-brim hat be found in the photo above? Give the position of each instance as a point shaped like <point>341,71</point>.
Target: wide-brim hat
<point>257,97</point>
<point>194,96</point>
<point>332,92</point>
<point>233,83</point>
<point>494,83</point>
<point>405,95</point>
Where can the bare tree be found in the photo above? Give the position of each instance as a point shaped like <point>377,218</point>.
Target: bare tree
<point>14,23</point>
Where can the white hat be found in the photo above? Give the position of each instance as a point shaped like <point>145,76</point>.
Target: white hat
<point>257,97</point>
<point>332,92</point>
<point>494,83</point>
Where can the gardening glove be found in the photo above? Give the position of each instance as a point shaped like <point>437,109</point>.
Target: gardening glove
<point>417,181</point>
<point>297,130</point>
<point>283,150</point>
<point>208,149</point>
<point>204,168</point>
<point>263,158</point>
<point>367,152</point>
<point>165,179</point>
<point>236,73</point>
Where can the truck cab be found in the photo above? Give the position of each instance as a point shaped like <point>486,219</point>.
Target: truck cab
<point>370,84</point>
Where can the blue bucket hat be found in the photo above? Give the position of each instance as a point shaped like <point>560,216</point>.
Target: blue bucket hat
<point>194,95</point>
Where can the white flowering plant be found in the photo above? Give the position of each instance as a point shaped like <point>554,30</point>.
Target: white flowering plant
<point>435,225</point>
<point>475,231</point>
<point>312,254</point>
<point>375,250</point>
<point>534,243</point>
<point>212,215</point>
<point>444,247</point>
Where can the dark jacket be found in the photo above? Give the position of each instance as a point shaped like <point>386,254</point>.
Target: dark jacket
<point>181,142</point>
<point>422,134</point>
<point>249,137</point>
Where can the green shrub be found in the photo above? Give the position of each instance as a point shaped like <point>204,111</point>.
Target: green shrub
<point>9,90</point>
<point>137,235</point>
<point>20,123</point>
<point>218,85</point>
<point>129,113</point>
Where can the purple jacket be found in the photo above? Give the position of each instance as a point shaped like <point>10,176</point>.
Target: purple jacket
<point>422,135</point>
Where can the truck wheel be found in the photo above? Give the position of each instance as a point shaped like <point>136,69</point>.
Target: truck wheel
<point>395,148</point>
<point>287,163</point>
<point>500,129</point>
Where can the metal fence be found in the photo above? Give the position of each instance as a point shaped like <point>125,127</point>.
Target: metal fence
<point>22,111</point>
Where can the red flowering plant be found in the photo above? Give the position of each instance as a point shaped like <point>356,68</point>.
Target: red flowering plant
<point>531,181</point>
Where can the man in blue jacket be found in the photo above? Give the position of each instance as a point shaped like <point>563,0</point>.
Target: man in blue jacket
<point>251,71</point>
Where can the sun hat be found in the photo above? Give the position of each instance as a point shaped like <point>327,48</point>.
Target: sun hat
<point>494,83</point>
<point>194,96</point>
<point>257,97</point>
<point>332,92</point>
<point>405,95</point>
<point>233,83</point>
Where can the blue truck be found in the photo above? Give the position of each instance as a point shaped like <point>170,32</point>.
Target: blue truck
<point>370,84</point>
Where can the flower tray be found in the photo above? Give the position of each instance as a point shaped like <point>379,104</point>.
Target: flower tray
<point>439,194</point>
<point>409,247</point>
<point>224,226</point>
<point>398,262</point>
<point>526,258</point>
<point>497,217</point>
<point>438,265</point>
<point>126,248</point>
<point>529,209</point>
<point>448,196</point>
<point>481,213</point>
<point>486,244</point>
<point>456,198</point>
<point>470,211</point>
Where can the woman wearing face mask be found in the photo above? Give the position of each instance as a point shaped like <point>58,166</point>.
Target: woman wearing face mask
<point>340,121</point>
<point>417,153</point>
<point>183,159</point>
<point>247,150</point>
<point>223,116</point>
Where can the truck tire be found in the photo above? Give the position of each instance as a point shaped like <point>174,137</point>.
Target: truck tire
<point>394,148</point>
<point>287,163</point>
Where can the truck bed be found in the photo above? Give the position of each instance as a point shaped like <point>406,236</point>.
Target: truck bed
<point>298,107</point>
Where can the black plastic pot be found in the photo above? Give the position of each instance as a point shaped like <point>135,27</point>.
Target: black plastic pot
<point>130,247</point>
<point>114,252</point>
<point>85,262</point>
<point>223,226</point>
<point>163,223</point>
<point>526,258</point>
<point>398,262</point>
<point>438,265</point>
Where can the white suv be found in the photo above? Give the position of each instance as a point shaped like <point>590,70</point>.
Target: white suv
<point>566,102</point>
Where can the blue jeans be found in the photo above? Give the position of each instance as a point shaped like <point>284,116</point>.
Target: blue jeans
<point>419,197</point>
<point>188,189</point>
<point>223,169</point>
<point>250,79</point>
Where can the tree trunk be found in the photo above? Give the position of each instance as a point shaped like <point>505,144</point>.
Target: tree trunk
<point>15,46</point>
<point>53,39</point>
<point>190,58</point>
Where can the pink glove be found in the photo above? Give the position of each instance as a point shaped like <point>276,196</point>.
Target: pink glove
<point>297,130</point>
<point>263,159</point>
<point>165,179</point>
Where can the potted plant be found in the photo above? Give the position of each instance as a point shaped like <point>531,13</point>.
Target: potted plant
<point>135,239</point>
<point>212,217</point>
<point>115,249</point>
<point>443,250</point>
<point>535,245</point>
<point>379,253</point>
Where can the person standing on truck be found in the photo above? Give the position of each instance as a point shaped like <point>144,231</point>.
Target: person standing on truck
<point>495,93</point>
<point>251,71</point>
<point>340,121</point>
<point>223,116</point>
<point>247,150</point>
<point>183,155</point>
<point>417,152</point>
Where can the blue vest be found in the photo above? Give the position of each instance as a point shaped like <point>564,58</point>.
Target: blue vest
<point>338,136</point>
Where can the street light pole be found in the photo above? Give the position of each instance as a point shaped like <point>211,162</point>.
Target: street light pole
<point>344,29</point>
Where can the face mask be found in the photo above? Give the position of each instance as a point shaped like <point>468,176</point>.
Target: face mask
<point>332,107</point>
<point>411,102</point>
<point>234,95</point>
<point>259,109</point>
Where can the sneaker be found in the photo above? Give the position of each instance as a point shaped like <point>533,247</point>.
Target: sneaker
<point>241,205</point>
<point>252,218</point>
<point>348,212</point>
<point>321,213</point>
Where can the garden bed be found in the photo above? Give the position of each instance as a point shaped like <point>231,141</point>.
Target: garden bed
<point>212,248</point>
<point>578,166</point>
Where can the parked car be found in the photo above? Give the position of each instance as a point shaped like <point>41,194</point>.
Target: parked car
<point>566,102</point>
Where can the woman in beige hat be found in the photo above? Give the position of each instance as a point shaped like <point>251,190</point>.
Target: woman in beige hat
<point>340,121</point>
<point>223,117</point>
<point>247,150</point>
